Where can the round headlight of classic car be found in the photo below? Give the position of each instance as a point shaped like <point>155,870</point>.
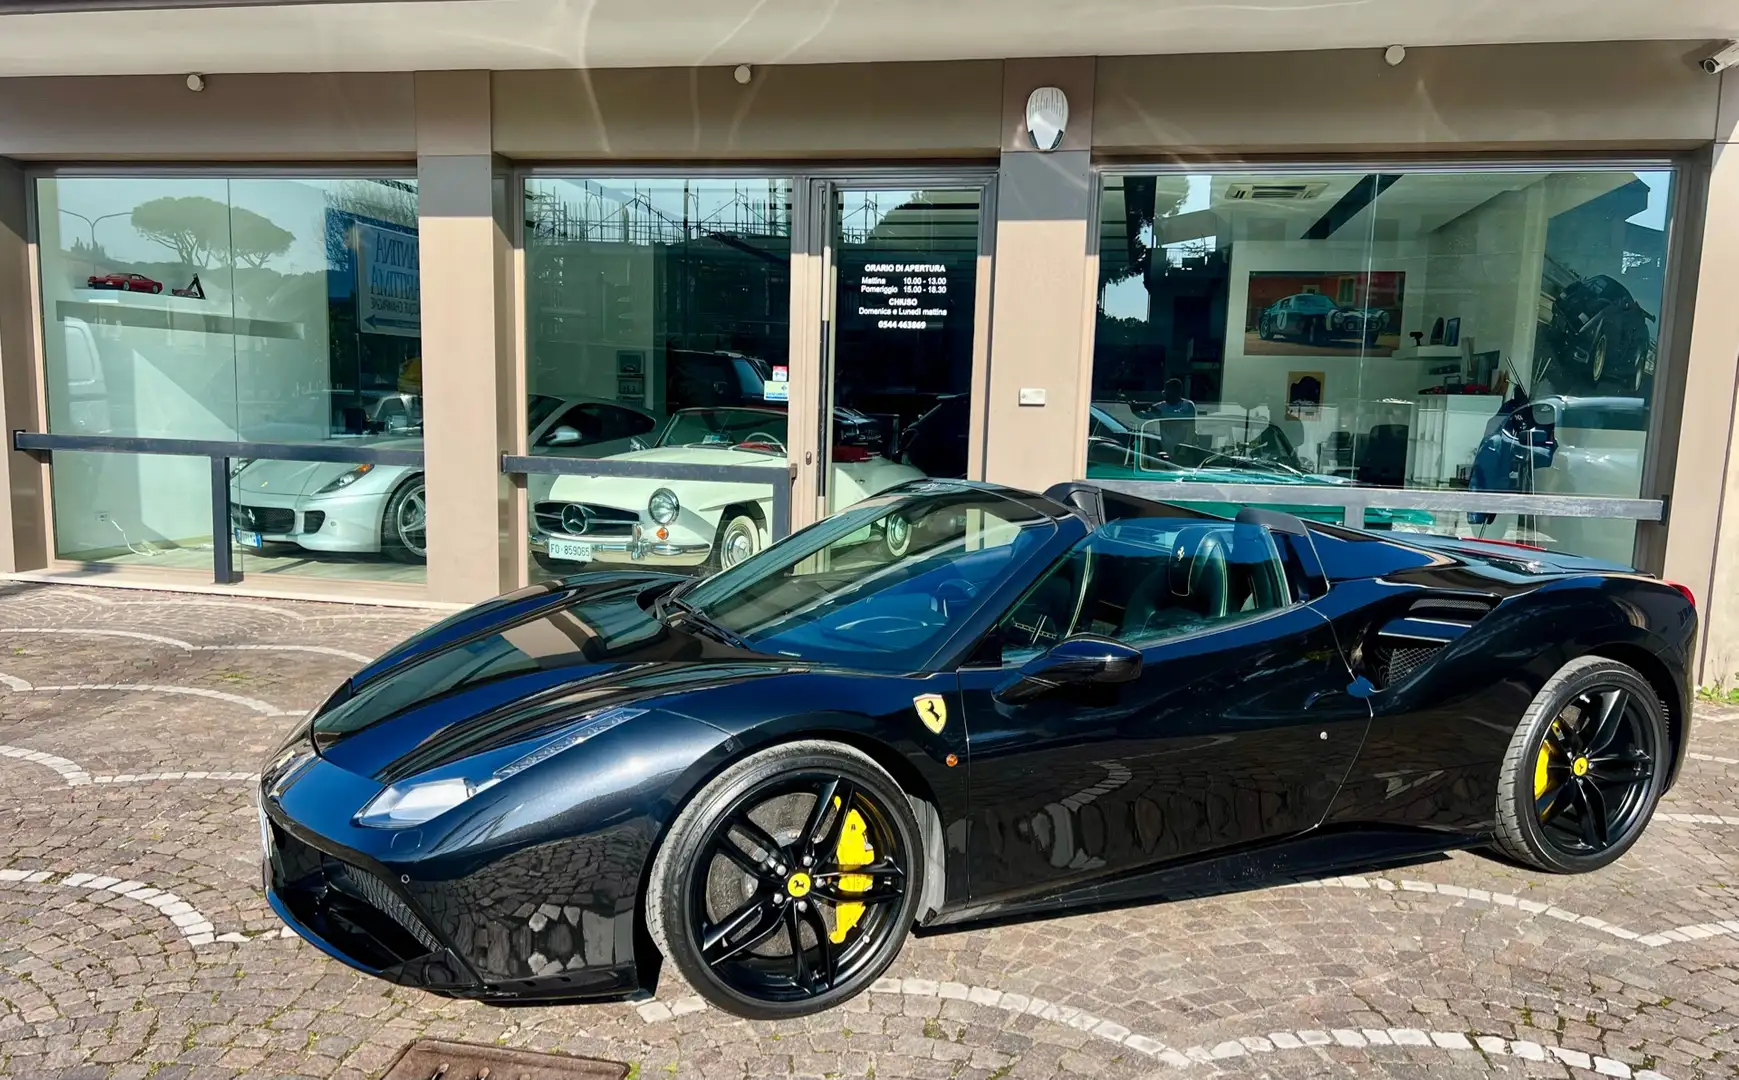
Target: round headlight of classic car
<point>663,506</point>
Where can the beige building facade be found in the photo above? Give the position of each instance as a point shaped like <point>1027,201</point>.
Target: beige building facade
<point>525,321</point>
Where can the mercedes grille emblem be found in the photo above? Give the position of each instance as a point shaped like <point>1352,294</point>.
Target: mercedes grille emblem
<point>575,519</point>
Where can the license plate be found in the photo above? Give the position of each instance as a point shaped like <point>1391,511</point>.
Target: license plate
<point>248,539</point>
<point>570,550</point>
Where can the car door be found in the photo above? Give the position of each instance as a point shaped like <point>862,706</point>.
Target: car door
<point>1238,730</point>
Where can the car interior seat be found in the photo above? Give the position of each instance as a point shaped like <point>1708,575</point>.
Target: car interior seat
<point>1193,584</point>
<point>1382,456</point>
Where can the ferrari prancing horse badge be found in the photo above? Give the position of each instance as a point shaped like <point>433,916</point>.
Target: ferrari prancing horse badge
<point>932,710</point>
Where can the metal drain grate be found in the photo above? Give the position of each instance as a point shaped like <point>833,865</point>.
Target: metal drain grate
<point>433,1059</point>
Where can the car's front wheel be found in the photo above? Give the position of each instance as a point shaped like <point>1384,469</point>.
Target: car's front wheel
<point>739,537</point>
<point>789,883</point>
<point>1585,768</point>
<point>404,526</point>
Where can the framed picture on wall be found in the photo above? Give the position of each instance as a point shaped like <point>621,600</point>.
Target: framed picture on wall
<point>1323,312</point>
<point>1452,331</point>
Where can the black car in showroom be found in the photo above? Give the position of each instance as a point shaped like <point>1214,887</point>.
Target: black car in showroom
<point>1038,702</point>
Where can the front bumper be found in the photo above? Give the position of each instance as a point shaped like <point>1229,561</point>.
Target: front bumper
<point>345,524</point>
<point>632,550</point>
<point>456,930</point>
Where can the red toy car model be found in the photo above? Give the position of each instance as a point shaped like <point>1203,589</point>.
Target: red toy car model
<point>124,282</point>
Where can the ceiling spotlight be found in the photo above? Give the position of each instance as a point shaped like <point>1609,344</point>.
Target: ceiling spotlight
<point>196,83</point>
<point>1394,54</point>
<point>743,74</point>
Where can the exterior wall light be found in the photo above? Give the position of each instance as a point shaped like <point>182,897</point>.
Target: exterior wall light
<point>1047,116</point>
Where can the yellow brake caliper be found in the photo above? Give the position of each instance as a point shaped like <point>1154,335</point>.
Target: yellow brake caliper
<point>854,850</point>
<point>1542,763</point>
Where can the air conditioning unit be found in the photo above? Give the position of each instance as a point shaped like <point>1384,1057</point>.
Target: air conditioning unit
<point>1276,190</point>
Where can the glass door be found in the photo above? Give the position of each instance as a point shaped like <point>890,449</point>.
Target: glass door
<point>904,307</point>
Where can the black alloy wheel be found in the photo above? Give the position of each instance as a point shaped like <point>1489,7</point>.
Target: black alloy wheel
<point>789,883</point>
<point>1585,768</point>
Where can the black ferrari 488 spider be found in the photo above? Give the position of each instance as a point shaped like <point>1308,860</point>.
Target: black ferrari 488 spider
<point>952,702</point>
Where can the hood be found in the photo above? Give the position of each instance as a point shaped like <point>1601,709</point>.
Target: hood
<point>631,493</point>
<point>519,668</point>
<point>273,477</point>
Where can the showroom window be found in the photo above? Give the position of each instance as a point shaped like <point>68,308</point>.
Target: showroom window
<point>1489,331</point>
<point>658,315</point>
<point>275,310</point>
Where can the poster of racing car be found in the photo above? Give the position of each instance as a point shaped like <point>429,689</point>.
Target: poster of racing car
<point>1323,313</point>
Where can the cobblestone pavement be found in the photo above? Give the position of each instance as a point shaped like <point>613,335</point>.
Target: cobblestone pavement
<point>134,941</point>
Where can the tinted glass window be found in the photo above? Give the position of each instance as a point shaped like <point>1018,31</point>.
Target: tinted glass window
<point>1386,325</point>
<point>255,309</point>
<point>646,297</point>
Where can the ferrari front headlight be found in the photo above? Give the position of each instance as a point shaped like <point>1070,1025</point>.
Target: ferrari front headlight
<point>347,479</point>
<point>412,803</point>
<point>663,506</point>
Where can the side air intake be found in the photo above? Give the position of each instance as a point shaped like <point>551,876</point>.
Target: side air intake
<point>1406,644</point>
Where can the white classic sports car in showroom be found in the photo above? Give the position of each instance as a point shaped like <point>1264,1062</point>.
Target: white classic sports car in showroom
<point>616,519</point>
<point>369,509</point>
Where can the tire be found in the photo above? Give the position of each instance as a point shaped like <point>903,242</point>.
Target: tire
<point>1263,329</point>
<point>399,540</point>
<point>738,538</point>
<point>1597,359</point>
<point>687,887</point>
<point>1528,798</point>
<point>1316,334</point>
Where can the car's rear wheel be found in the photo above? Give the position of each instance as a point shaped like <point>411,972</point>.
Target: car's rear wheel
<point>789,883</point>
<point>1585,768</point>
<point>404,525</point>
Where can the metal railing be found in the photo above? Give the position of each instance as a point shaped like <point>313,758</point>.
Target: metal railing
<point>221,453</point>
<point>1356,500</point>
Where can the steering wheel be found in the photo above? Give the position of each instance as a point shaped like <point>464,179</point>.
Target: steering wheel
<point>764,439</point>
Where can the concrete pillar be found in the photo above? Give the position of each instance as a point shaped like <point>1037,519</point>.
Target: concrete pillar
<point>23,514</point>
<point>471,406</point>
<point>1046,274</point>
<point>1702,543</point>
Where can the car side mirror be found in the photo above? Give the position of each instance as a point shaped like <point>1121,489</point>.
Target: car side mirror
<point>1077,661</point>
<point>564,436</point>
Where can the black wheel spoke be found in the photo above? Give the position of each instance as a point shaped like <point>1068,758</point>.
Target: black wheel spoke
<point>822,972</point>
<point>828,845</point>
<point>1633,768</point>
<point>818,813</point>
<point>745,825</point>
<point>799,963</point>
<point>1594,823</point>
<point>765,923</point>
<point>1554,802</point>
<point>1613,705</point>
<point>877,893</point>
<point>729,849</point>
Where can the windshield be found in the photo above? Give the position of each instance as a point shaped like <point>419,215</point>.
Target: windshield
<point>726,428</point>
<point>1312,302</point>
<point>879,585</point>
